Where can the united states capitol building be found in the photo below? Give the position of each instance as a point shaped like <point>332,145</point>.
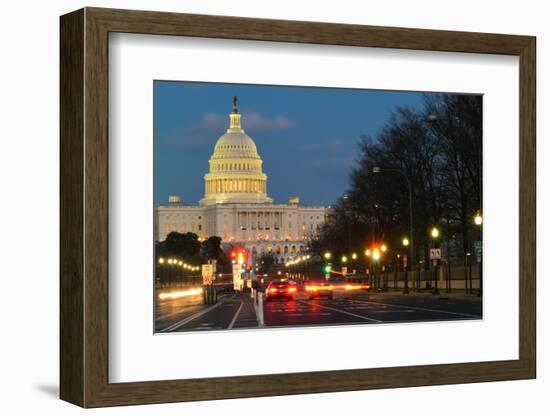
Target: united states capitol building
<point>236,205</point>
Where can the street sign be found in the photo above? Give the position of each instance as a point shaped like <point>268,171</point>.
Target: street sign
<point>435,254</point>
<point>207,274</point>
<point>478,248</point>
<point>237,281</point>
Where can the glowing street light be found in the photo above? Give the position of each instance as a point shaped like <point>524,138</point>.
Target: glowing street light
<point>405,241</point>
<point>161,261</point>
<point>435,235</point>
<point>344,259</point>
<point>478,219</point>
<point>367,252</point>
<point>328,255</point>
<point>383,247</point>
<point>376,254</point>
<point>354,256</point>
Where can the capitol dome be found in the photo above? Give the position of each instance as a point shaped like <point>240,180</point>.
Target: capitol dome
<point>235,174</point>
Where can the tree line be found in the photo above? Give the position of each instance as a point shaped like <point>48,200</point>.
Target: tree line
<point>438,148</point>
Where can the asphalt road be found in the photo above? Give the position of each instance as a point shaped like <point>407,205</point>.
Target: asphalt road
<point>234,311</point>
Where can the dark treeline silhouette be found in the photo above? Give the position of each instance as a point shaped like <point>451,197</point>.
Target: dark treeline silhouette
<point>438,148</point>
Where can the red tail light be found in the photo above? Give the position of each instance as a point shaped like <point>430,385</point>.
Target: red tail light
<point>291,289</point>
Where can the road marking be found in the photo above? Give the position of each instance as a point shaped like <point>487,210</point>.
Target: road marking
<point>420,309</point>
<point>162,317</point>
<point>189,318</point>
<point>235,317</point>
<point>347,313</point>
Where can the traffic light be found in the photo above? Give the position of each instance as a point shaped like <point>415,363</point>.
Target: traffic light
<point>239,255</point>
<point>327,268</point>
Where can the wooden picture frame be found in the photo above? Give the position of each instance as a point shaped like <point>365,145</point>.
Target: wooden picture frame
<point>84,207</point>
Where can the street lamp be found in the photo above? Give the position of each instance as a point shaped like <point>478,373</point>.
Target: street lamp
<point>376,258</point>
<point>405,243</point>
<point>478,220</point>
<point>435,236</point>
<point>383,247</point>
<point>344,259</point>
<point>347,210</point>
<point>378,169</point>
<point>328,255</point>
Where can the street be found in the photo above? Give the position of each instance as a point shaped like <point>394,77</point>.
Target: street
<point>236,310</point>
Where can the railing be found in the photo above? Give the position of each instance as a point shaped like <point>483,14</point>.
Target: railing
<point>463,278</point>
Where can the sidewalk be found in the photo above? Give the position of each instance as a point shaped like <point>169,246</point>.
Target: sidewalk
<point>426,293</point>
<point>246,317</point>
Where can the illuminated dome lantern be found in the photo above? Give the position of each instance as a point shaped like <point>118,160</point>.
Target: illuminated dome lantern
<point>235,174</point>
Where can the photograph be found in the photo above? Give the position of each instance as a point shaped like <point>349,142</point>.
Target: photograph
<point>287,206</point>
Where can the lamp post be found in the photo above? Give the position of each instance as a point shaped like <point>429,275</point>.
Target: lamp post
<point>348,211</point>
<point>376,258</point>
<point>368,270</point>
<point>435,235</point>
<point>405,243</point>
<point>378,169</point>
<point>478,220</point>
<point>383,249</point>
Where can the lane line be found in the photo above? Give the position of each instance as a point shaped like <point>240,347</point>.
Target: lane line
<point>163,317</point>
<point>190,318</point>
<point>345,312</point>
<point>235,317</point>
<point>420,309</point>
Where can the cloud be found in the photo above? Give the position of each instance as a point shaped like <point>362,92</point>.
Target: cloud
<point>258,122</point>
<point>213,125</point>
<point>251,121</point>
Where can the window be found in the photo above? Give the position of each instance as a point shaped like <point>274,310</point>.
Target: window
<point>242,220</point>
<point>260,220</point>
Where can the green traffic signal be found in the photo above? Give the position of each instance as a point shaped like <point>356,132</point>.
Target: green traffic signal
<point>327,268</point>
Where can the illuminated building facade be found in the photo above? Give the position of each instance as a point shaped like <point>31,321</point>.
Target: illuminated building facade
<point>236,206</point>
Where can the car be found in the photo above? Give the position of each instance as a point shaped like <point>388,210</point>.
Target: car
<point>319,289</point>
<point>280,289</point>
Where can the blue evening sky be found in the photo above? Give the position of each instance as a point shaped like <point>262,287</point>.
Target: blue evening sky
<point>307,137</point>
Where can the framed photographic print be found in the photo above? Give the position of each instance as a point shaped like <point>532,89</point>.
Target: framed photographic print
<point>257,207</point>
